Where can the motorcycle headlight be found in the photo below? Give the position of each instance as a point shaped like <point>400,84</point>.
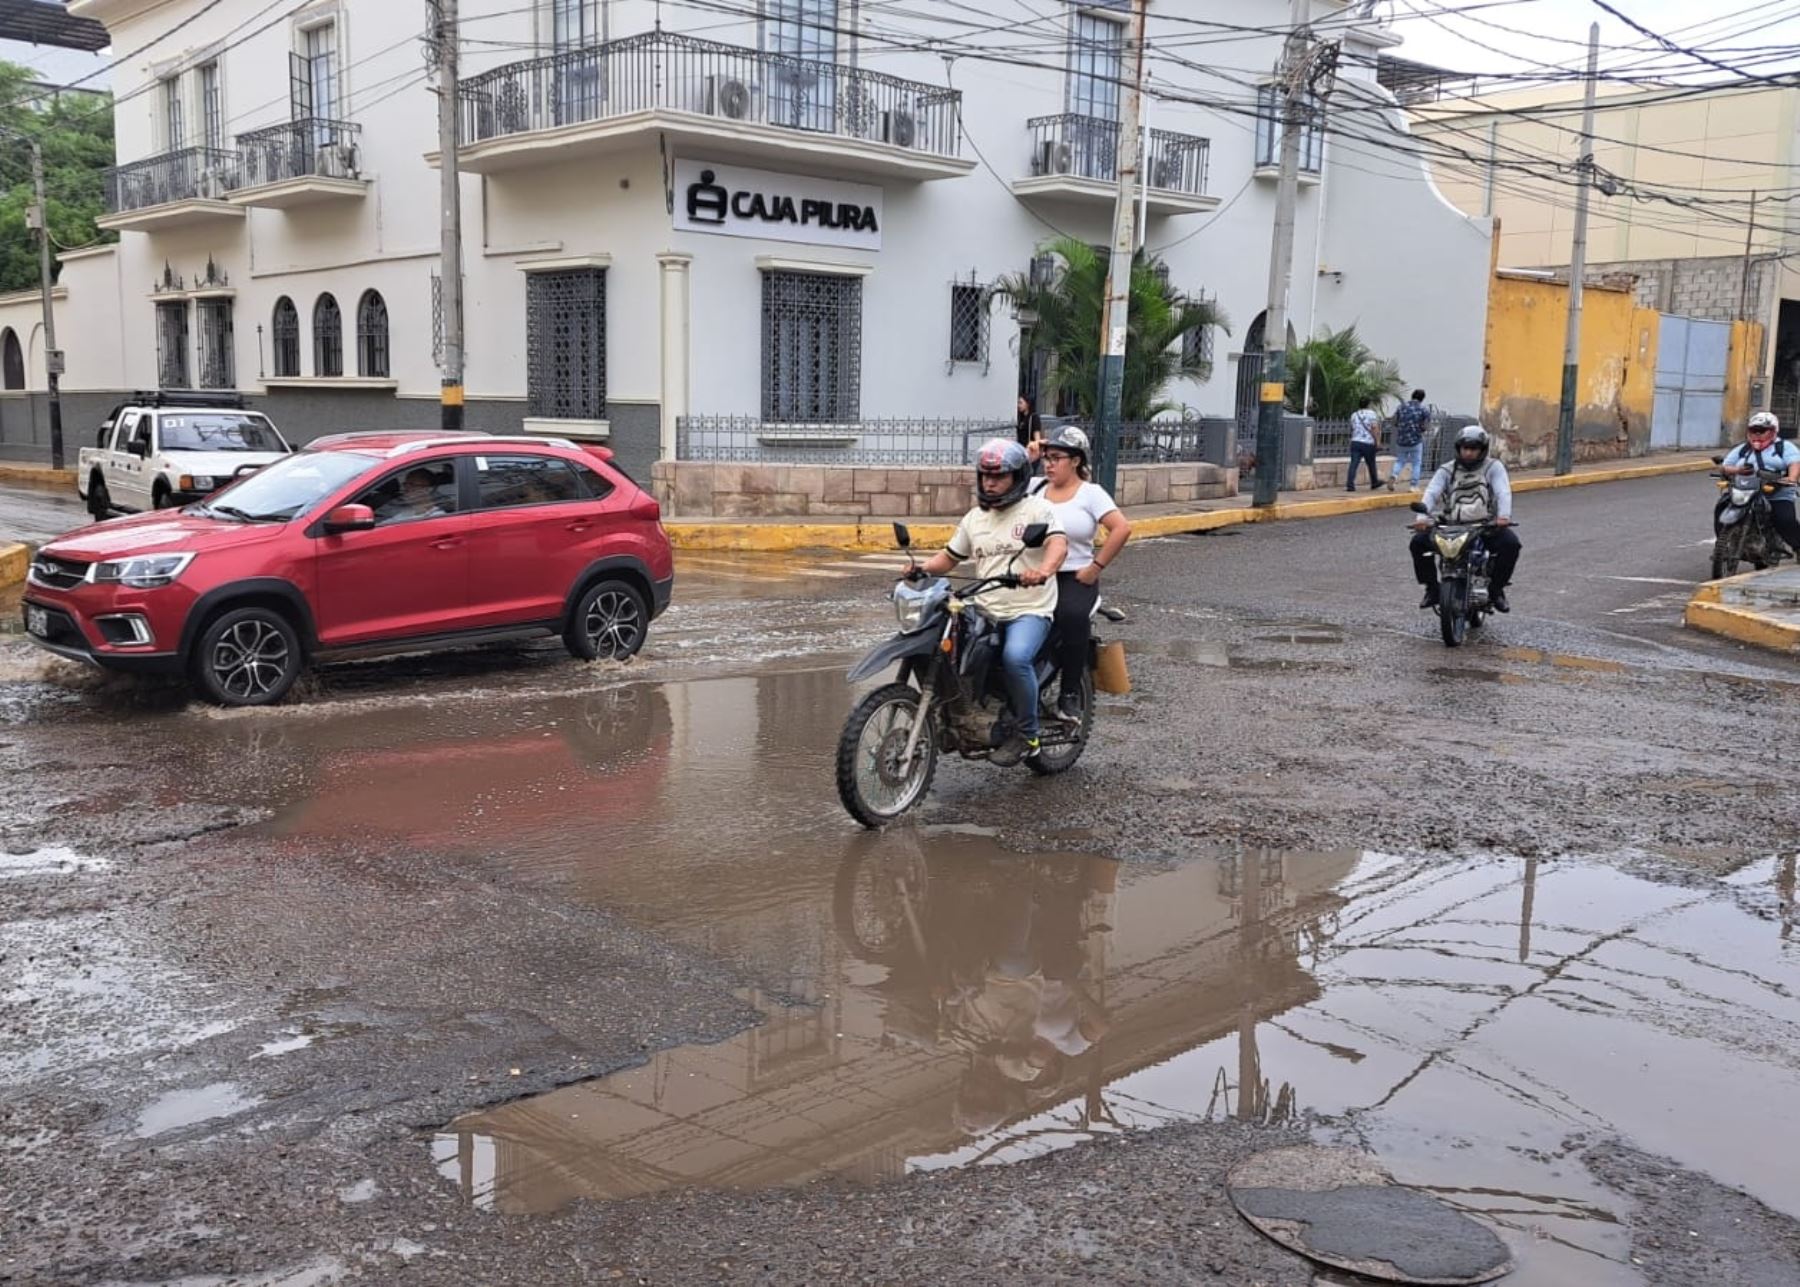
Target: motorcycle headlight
<point>142,572</point>
<point>910,612</point>
<point>1450,545</point>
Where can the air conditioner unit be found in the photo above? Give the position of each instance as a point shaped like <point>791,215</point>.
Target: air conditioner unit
<point>345,159</point>
<point>727,96</point>
<point>899,128</point>
<point>1053,158</point>
<point>212,185</point>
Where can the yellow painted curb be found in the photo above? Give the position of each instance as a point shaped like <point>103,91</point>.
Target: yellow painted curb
<point>15,560</point>
<point>751,536</point>
<point>1742,625</point>
<point>37,477</point>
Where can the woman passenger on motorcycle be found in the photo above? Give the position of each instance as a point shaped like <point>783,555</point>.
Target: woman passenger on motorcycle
<point>1085,509</point>
<point>1761,449</point>
<point>992,534</point>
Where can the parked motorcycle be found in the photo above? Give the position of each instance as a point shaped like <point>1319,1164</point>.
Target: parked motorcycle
<point>1744,525</point>
<point>949,696</point>
<point>1462,562</point>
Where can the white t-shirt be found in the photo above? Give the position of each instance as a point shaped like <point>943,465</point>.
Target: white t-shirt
<point>1081,515</point>
<point>991,537</point>
<point>1362,425</point>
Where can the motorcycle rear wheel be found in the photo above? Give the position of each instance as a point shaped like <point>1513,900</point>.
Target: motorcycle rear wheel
<point>1453,612</point>
<point>869,782</point>
<point>1060,759</point>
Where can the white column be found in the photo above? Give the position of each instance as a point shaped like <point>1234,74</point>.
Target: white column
<point>674,344</point>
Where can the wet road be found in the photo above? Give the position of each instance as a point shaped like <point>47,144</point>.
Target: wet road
<point>509,969</point>
<point>36,514</point>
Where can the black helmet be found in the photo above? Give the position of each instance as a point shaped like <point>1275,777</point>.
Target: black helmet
<point>1002,456</point>
<point>1472,436</point>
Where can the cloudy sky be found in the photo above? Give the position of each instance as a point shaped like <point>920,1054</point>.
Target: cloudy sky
<point>1519,35</point>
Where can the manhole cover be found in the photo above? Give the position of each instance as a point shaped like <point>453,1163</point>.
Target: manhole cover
<point>1341,1209</point>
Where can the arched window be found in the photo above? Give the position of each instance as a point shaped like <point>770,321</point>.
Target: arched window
<point>286,330</point>
<point>372,336</point>
<point>328,337</point>
<point>12,360</point>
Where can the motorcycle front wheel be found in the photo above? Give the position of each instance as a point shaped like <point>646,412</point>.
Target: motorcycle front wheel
<point>1453,611</point>
<point>872,784</point>
<point>1728,551</point>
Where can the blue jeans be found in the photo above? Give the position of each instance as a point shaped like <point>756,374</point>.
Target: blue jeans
<point>1403,456</point>
<point>1024,639</point>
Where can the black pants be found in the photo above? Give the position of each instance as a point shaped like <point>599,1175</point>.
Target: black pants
<point>1503,556</point>
<point>1787,522</point>
<point>1074,627</point>
<point>1361,452</point>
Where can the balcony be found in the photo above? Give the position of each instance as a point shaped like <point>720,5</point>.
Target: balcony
<point>733,102</point>
<point>175,189</point>
<point>298,163</point>
<point>1075,158</point>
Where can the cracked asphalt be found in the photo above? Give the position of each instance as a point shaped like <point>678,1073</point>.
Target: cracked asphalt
<point>496,968</point>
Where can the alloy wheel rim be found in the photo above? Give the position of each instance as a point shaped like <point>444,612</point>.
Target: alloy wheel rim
<point>883,789</point>
<point>613,623</point>
<point>250,659</point>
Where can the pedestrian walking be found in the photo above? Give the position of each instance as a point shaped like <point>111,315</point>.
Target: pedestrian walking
<point>1365,441</point>
<point>1411,422</point>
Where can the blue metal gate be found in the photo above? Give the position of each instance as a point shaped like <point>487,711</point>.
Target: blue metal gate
<point>1689,409</point>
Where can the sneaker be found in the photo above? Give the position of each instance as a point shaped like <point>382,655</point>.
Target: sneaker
<point>1033,747</point>
<point>1497,601</point>
<point>1430,600</point>
<point>1068,707</point>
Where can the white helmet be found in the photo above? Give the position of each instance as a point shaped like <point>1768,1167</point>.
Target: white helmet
<point>1765,421</point>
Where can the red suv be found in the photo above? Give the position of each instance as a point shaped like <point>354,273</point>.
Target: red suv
<point>360,544</point>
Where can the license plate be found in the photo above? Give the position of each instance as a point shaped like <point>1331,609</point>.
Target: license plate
<point>37,622</point>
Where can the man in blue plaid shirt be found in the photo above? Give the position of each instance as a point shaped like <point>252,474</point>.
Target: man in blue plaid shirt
<point>1411,422</point>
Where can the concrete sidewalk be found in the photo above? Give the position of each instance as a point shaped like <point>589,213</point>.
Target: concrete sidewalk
<point>776,534</point>
<point>1761,609</point>
<point>35,475</point>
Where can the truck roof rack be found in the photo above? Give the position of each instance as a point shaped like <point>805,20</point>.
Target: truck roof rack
<point>228,398</point>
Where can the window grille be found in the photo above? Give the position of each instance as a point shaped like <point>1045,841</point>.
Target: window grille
<point>174,129</point>
<point>372,336</point>
<point>565,344</point>
<point>217,369</point>
<point>172,345</point>
<point>328,337</point>
<point>285,327</point>
<point>969,322</point>
<point>1096,65</point>
<point>1268,130</point>
<point>811,347</point>
<point>212,107</point>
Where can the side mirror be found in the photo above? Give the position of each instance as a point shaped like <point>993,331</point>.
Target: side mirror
<point>1418,507</point>
<point>1036,535</point>
<point>139,447</point>
<point>903,536</point>
<point>349,518</point>
<point>1718,460</point>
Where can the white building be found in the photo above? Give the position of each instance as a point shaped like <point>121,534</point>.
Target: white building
<point>277,200</point>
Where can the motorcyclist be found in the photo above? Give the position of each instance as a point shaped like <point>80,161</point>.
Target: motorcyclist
<point>992,534</point>
<point>1763,449</point>
<point>1471,488</point>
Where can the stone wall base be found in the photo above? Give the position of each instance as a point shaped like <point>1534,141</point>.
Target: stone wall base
<point>708,489</point>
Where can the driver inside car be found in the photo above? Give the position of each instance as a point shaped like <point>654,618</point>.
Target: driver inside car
<point>993,534</point>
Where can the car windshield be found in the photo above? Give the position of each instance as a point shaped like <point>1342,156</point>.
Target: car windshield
<point>218,431</point>
<point>289,487</point>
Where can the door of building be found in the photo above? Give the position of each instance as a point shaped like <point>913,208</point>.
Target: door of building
<point>1691,359</point>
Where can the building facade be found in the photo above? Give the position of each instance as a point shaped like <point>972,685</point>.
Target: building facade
<point>793,212</point>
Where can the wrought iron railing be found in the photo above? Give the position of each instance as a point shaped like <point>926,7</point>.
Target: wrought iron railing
<point>861,442</point>
<point>1087,147</point>
<point>670,72</point>
<point>307,148</point>
<point>190,174</point>
<point>1176,442</point>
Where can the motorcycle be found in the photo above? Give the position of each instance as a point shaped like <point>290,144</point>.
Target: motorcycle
<point>1745,523</point>
<point>1462,559</point>
<point>949,696</point>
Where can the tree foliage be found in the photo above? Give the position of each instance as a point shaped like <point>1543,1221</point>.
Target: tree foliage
<point>76,134</point>
<point>1337,371</point>
<point>1068,309</point>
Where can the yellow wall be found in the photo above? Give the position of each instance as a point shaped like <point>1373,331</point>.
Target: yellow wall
<point>1745,364</point>
<point>1523,380</point>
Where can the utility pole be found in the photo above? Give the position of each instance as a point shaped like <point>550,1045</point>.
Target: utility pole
<point>450,399</point>
<point>53,357</point>
<point>1565,420</point>
<point>1744,279</point>
<point>1272,402</point>
<point>1115,319</point>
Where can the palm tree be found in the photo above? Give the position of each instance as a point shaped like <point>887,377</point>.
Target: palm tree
<point>1337,371</point>
<point>1068,310</point>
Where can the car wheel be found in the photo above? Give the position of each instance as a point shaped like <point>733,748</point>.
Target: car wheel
<point>609,621</point>
<point>247,657</point>
<point>99,503</point>
<point>159,496</point>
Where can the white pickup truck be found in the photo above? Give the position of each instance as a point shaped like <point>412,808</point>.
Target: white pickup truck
<point>168,449</point>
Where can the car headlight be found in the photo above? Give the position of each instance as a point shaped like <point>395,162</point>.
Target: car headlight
<point>142,572</point>
<point>1452,546</point>
<point>199,482</point>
